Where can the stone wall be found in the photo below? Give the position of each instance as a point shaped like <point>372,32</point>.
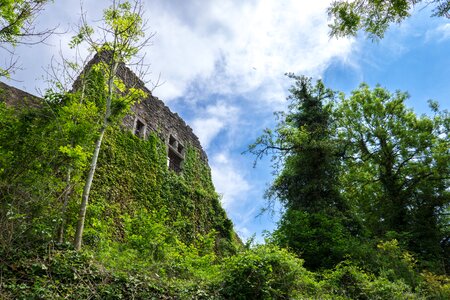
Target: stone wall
<point>17,98</point>
<point>151,112</point>
<point>157,117</point>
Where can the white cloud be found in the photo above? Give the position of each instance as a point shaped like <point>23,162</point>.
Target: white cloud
<point>215,118</point>
<point>227,47</point>
<point>244,233</point>
<point>207,129</point>
<point>441,33</point>
<point>230,47</point>
<point>228,179</point>
<point>235,50</point>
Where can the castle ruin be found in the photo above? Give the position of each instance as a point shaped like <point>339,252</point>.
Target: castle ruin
<point>149,115</point>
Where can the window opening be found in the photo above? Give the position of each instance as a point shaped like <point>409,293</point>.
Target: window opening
<point>175,155</point>
<point>172,141</point>
<point>139,129</point>
<point>174,161</point>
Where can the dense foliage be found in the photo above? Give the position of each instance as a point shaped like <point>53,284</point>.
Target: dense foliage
<point>151,232</point>
<point>133,180</point>
<point>308,183</point>
<point>374,16</point>
<point>140,210</point>
<point>362,179</point>
<point>361,175</point>
<point>397,170</point>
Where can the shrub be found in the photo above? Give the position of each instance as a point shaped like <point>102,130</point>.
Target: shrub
<point>351,282</point>
<point>323,241</point>
<point>396,263</point>
<point>435,286</point>
<point>265,272</point>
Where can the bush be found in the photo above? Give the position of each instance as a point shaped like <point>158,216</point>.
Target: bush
<point>265,272</point>
<point>68,274</point>
<point>435,286</point>
<point>396,263</point>
<point>323,241</point>
<point>351,282</point>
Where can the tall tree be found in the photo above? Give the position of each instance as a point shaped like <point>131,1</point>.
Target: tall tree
<point>303,139</point>
<point>398,167</point>
<point>316,222</point>
<point>374,16</point>
<point>123,34</point>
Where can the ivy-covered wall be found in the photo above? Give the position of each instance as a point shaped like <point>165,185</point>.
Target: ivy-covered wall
<point>135,198</point>
<point>133,185</point>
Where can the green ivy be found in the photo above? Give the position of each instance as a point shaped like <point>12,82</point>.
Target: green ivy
<point>141,204</point>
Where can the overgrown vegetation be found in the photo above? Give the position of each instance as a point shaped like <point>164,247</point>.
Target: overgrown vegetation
<point>363,183</point>
<point>363,180</point>
<point>151,232</point>
<point>168,225</point>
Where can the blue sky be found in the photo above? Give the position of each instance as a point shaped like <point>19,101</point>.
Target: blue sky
<point>222,66</point>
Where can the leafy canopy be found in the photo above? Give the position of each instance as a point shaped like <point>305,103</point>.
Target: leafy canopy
<point>397,167</point>
<point>358,170</point>
<point>317,223</point>
<point>375,16</point>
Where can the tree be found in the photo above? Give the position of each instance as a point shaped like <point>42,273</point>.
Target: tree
<point>75,118</point>
<point>44,153</point>
<point>122,39</point>
<point>303,140</point>
<point>16,24</point>
<point>398,167</point>
<point>316,223</point>
<point>374,16</point>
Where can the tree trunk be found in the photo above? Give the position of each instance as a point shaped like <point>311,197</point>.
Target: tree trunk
<point>64,208</point>
<point>86,191</point>
<point>87,186</point>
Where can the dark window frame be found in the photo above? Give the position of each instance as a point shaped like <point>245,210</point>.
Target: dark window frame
<point>175,154</point>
